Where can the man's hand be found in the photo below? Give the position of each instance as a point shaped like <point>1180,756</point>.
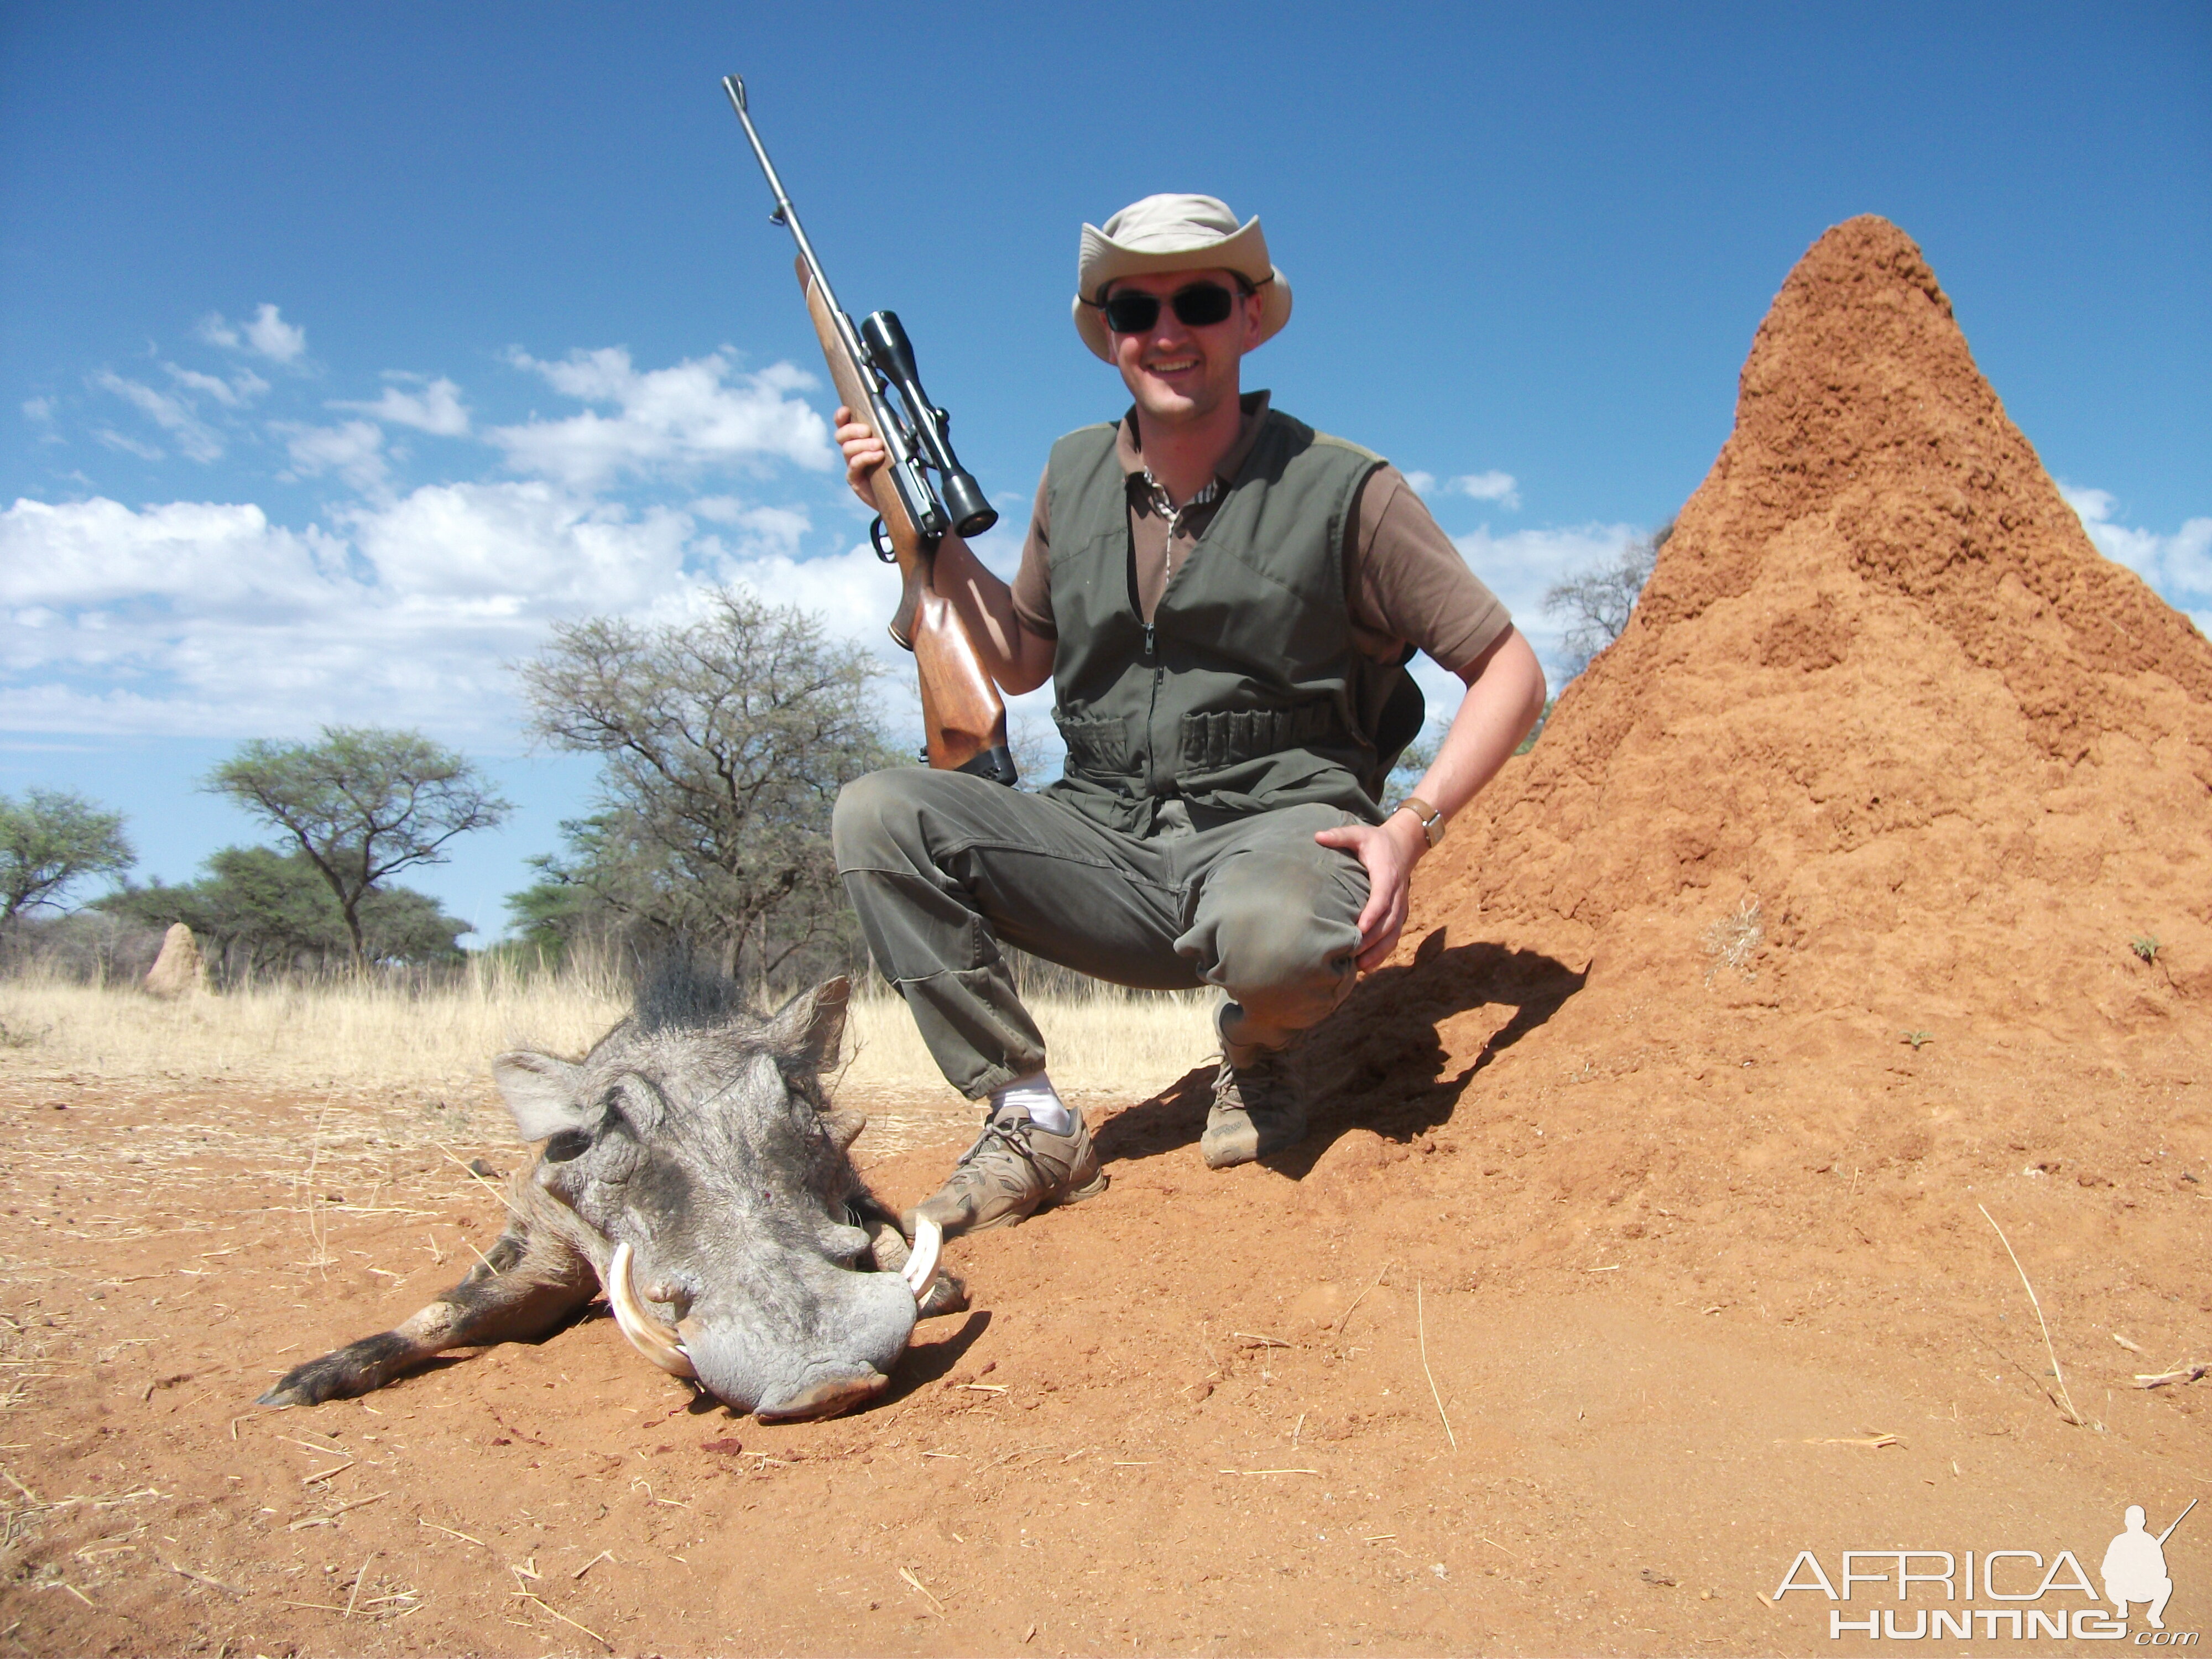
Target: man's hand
<point>1014,657</point>
<point>1505,694</point>
<point>864,453</point>
<point>1388,850</point>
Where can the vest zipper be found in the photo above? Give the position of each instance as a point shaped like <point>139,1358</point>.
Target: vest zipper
<point>1152,766</point>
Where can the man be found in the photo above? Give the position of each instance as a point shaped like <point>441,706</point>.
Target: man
<point>2134,1568</point>
<point>1224,600</point>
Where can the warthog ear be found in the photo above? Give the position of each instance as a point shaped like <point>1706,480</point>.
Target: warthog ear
<point>541,1093</point>
<point>808,1027</point>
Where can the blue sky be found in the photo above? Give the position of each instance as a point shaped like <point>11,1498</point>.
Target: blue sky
<point>346,349</point>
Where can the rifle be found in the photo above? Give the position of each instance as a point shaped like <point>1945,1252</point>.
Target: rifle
<point>2177,1519</point>
<point>963,716</point>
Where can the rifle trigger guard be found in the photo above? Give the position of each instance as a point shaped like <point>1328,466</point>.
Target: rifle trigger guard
<point>881,542</point>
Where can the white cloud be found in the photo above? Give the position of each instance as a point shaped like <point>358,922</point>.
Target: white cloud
<point>437,409</point>
<point>39,409</point>
<point>114,439</point>
<point>514,551</point>
<point>275,338</point>
<point>240,389</point>
<point>407,605</point>
<point>101,554</point>
<point>2091,507</point>
<point>266,332</point>
<point>667,421</point>
<point>204,618</point>
<point>1499,486</point>
<point>854,592</point>
<point>762,533</point>
<point>1521,566</point>
<point>192,379</point>
<point>2179,566</point>
<point>353,449</point>
<point>174,415</point>
<point>1487,487</point>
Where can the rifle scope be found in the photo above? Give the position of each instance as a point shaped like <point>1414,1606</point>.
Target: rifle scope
<point>892,354</point>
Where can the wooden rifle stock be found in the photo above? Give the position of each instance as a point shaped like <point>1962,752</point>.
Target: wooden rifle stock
<point>963,716</point>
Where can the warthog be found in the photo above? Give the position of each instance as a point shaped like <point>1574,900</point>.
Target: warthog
<point>691,1161</point>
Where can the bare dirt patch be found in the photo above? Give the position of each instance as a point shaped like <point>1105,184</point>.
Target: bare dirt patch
<point>1661,1324</point>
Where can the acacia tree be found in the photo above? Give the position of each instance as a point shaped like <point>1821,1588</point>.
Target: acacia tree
<point>1597,602</point>
<point>50,840</point>
<point>363,805</point>
<point>722,743</point>
<point>260,911</point>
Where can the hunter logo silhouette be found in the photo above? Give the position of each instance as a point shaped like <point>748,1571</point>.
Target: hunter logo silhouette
<point>2135,1566</point>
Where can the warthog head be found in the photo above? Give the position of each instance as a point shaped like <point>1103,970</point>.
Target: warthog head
<point>704,1156</point>
<point>693,1168</point>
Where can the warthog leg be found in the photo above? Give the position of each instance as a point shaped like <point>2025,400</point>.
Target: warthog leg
<point>534,1283</point>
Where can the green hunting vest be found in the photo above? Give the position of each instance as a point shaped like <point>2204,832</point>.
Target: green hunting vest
<point>1247,692</point>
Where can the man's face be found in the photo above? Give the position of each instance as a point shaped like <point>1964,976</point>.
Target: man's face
<point>1177,373</point>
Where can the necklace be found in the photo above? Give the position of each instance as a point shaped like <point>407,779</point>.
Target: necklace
<point>1164,504</point>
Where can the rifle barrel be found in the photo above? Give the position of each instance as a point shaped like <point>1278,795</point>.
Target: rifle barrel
<point>787,215</point>
<point>916,499</point>
<point>2177,1519</point>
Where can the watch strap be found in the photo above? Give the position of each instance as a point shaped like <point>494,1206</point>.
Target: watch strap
<point>1431,820</point>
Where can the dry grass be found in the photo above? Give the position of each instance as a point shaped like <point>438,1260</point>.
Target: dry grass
<point>1731,942</point>
<point>365,1035</point>
<point>309,1035</point>
<point>1131,1043</point>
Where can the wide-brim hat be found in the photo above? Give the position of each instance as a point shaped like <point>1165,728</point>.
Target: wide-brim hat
<point>1174,233</point>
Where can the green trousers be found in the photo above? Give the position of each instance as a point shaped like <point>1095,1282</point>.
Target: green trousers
<point>944,867</point>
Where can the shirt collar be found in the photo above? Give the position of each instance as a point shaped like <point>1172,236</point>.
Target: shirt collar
<point>1253,407</point>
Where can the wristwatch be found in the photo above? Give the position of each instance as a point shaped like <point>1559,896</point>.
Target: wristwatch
<point>1431,820</point>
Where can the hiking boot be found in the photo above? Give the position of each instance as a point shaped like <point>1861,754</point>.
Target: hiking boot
<point>1014,1170</point>
<point>1258,1109</point>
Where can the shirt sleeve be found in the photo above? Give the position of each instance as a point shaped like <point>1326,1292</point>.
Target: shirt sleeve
<point>1405,584</point>
<point>1033,580</point>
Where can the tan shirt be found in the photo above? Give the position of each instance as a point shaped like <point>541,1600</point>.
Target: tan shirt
<point>1404,582</point>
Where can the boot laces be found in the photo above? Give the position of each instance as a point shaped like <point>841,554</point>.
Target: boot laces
<point>1014,1134</point>
<point>1260,1085</point>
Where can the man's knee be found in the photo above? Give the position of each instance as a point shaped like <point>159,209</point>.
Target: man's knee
<point>1285,935</point>
<point>1277,947</point>
<point>874,818</point>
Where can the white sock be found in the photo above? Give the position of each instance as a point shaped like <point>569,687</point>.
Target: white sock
<point>1034,1095</point>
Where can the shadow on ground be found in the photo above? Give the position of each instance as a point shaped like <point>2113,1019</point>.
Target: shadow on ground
<point>931,1356</point>
<point>1379,1062</point>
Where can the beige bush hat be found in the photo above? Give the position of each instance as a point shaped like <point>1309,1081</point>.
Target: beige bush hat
<point>1174,233</point>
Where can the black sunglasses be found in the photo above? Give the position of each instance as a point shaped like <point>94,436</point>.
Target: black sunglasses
<point>1200,305</point>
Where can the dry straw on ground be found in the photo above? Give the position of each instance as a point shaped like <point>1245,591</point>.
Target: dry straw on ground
<point>365,1034</point>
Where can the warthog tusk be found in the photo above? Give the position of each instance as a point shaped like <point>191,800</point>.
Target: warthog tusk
<point>646,1334</point>
<point>920,1269</point>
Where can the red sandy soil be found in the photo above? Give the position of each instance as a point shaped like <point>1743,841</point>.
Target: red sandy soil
<point>1617,1272</point>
